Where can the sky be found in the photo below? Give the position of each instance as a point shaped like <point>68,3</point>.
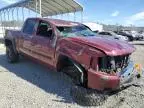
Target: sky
<point>120,12</point>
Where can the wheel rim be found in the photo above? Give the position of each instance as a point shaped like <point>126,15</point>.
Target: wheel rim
<point>81,80</point>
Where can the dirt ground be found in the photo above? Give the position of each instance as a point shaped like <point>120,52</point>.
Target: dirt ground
<point>138,55</point>
<point>29,85</point>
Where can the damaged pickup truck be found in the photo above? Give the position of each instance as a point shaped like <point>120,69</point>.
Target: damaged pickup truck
<point>93,62</point>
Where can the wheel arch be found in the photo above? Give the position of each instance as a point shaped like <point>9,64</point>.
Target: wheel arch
<point>64,60</point>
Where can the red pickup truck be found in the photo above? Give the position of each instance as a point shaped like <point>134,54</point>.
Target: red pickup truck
<point>92,61</point>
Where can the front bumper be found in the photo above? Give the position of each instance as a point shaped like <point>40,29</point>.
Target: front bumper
<point>104,81</point>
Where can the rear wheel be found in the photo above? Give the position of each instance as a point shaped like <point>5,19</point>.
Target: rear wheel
<point>12,57</point>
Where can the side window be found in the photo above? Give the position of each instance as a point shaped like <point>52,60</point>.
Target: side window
<point>102,33</point>
<point>106,33</point>
<point>29,26</point>
<point>109,34</point>
<point>44,29</point>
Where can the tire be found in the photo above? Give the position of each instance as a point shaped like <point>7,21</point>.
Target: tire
<point>87,97</point>
<point>12,57</point>
<point>79,78</point>
<point>130,38</point>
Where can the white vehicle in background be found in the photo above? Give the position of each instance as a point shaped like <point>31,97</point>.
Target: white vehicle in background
<point>94,26</point>
<point>136,35</point>
<point>113,35</point>
<point>142,35</point>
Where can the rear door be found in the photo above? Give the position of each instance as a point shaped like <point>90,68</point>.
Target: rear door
<point>43,43</point>
<point>27,34</point>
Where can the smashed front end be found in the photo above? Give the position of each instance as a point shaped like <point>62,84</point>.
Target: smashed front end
<point>114,72</point>
<point>106,61</point>
<point>113,64</point>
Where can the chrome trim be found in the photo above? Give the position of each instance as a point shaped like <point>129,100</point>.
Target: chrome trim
<point>127,74</point>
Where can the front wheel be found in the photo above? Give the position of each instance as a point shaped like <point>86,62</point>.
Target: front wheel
<point>12,57</point>
<point>77,73</point>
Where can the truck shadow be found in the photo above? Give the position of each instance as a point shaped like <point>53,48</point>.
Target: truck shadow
<point>55,83</point>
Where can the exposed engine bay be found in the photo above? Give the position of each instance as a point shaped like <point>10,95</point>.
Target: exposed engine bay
<point>113,64</point>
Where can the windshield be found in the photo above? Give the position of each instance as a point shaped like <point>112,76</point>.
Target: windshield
<point>74,31</point>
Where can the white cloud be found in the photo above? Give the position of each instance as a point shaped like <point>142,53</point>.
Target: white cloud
<point>135,18</point>
<point>9,1</point>
<point>114,14</point>
<point>129,22</point>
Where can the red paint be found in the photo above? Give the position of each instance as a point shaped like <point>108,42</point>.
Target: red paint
<point>84,51</point>
<point>102,81</point>
<point>108,46</point>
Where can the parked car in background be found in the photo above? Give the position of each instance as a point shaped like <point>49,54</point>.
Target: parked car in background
<point>136,35</point>
<point>113,35</point>
<point>142,34</point>
<point>126,34</point>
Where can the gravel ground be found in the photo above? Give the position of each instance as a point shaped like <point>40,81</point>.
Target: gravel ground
<point>29,85</point>
<point>138,55</point>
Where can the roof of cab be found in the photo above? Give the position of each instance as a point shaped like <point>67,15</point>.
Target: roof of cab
<point>58,22</point>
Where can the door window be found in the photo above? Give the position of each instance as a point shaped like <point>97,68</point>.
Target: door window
<point>44,29</point>
<point>29,26</point>
<point>109,34</point>
<point>102,33</point>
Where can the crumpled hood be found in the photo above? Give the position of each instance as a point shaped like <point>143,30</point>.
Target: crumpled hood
<point>110,47</point>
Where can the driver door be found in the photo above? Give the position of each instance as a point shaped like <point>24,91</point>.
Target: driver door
<point>43,43</point>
